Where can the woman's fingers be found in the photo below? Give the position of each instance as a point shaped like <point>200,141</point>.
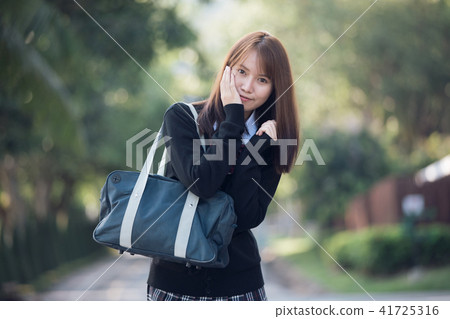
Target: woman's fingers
<point>225,76</point>
<point>228,91</point>
<point>270,128</point>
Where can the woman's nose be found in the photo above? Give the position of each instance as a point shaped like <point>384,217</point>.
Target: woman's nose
<point>246,84</point>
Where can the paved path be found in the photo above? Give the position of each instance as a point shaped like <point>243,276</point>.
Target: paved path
<point>111,278</point>
<point>124,278</point>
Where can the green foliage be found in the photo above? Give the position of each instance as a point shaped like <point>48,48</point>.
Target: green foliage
<point>434,245</point>
<point>353,162</point>
<point>389,249</point>
<point>70,97</point>
<point>68,78</point>
<point>403,67</point>
<point>43,245</point>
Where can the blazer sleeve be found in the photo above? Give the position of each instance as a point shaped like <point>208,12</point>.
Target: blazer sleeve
<point>253,183</point>
<point>194,168</point>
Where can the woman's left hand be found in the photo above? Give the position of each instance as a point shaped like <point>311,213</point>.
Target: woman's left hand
<point>228,91</point>
<point>270,128</point>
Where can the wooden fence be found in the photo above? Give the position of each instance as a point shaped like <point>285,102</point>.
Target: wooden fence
<point>382,204</point>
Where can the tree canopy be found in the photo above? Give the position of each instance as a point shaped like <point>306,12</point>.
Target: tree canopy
<point>70,96</point>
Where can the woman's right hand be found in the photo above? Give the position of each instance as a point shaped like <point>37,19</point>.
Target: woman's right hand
<point>228,91</point>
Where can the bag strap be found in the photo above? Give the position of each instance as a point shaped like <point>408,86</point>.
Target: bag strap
<point>190,206</point>
<point>162,163</point>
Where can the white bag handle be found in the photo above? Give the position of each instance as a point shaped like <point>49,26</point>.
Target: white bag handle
<point>162,164</point>
<point>187,215</point>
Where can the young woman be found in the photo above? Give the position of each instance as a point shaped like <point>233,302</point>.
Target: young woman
<point>252,101</point>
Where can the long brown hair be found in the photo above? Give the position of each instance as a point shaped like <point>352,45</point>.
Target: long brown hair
<point>281,105</point>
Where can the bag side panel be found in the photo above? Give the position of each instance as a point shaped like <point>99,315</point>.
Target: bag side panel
<point>158,215</point>
<point>216,219</point>
<point>114,200</point>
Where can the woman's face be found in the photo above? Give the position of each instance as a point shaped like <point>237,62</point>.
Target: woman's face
<point>254,87</point>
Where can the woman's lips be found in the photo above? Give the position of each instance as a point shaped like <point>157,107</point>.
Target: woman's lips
<point>244,99</point>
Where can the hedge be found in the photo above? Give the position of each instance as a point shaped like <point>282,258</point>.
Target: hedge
<point>390,249</point>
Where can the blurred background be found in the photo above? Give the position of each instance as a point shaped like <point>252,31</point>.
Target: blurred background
<point>376,105</point>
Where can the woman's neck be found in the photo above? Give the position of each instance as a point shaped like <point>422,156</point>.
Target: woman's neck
<point>247,114</point>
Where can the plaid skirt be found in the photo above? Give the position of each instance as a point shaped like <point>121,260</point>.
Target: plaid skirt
<point>155,294</point>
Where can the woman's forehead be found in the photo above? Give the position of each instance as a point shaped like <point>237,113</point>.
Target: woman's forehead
<point>253,62</point>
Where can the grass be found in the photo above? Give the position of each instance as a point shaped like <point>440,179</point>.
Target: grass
<point>317,266</point>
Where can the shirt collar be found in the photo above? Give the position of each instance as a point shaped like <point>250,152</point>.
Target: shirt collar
<point>251,126</point>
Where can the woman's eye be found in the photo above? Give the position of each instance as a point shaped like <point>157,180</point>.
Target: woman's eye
<point>240,71</point>
<point>263,80</point>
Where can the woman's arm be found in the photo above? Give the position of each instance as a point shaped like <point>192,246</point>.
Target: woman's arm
<point>253,184</point>
<point>206,176</point>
